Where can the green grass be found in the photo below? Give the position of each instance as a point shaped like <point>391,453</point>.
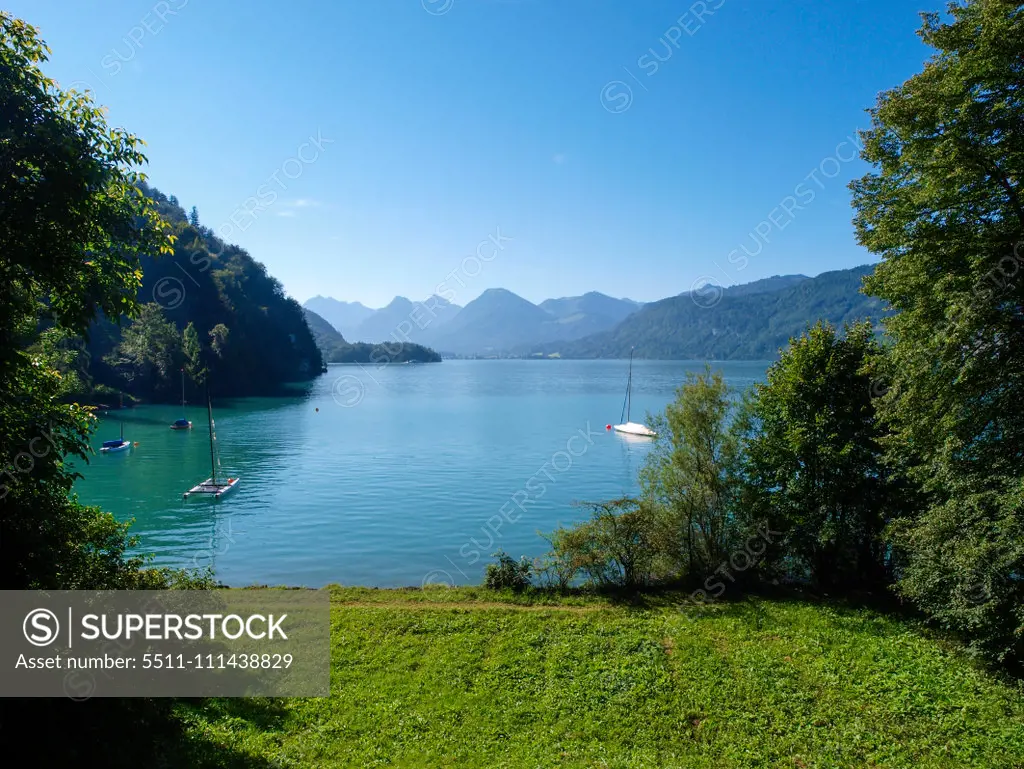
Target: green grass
<point>469,677</point>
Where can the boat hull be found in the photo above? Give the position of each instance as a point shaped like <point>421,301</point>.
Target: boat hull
<point>632,428</point>
<point>210,489</point>
<point>114,449</point>
<point>182,427</point>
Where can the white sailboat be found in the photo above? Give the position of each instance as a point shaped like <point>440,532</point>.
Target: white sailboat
<point>627,427</point>
<point>211,485</point>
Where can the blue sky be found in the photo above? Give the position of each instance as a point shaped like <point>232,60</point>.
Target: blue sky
<point>366,149</point>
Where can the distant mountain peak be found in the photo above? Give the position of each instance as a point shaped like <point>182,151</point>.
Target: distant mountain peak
<point>342,316</point>
<point>502,295</point>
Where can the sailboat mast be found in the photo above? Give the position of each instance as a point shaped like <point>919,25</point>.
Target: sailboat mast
<point>182,393</point>
<point>629,386</point>
<point>209,413</point>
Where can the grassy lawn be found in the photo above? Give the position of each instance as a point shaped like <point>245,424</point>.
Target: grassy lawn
<point>467,677</point>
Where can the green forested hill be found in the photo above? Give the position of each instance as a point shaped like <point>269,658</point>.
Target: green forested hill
<point>731,324</point>
<point>248,334</point>
<point>336,350</point>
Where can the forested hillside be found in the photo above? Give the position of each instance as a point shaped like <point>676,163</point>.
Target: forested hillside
<point>734,324</point>
<point>208,307</point>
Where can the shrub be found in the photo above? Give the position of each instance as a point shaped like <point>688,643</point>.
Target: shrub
<point>623,545</point>
<point>507,573</point>
<point>689,478</point>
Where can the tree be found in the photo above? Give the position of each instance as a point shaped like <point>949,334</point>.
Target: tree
<point>73,225</point>
<point>813,461</point>
<point>689,475</point>
<point>193,217</point>
<point>149,351</point>
<point>193,353</point>
<point>944,208</point>
<point>682,526</point>
<point>74,219</point>
<point>219,339</point>
<point>622,545</point>
<point>73,228</point>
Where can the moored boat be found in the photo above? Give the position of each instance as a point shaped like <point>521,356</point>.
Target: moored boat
<point>118,444</point>
<point>211,486</point>
<point>627,427</point>
<point>182,424</point>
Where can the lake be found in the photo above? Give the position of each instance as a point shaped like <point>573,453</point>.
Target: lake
<point>385,476</point>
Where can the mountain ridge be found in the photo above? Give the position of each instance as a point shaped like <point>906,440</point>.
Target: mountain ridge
<point>747,320</point>
<point>344,317</point>
<point>404,320</point>
<point>724,324</point>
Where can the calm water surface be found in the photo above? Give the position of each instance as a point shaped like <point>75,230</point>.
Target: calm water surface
<point>405,474</point>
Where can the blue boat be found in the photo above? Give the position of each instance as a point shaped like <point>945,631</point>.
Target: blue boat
<point>116,445</point>
<point>182,424</point>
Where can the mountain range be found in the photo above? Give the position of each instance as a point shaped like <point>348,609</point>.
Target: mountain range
<point>750,321</point>
<point>401,320</point>
<point>345,317</point>
<point>493,323</point>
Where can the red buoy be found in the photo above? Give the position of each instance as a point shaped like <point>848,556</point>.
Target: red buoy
<point>607,427</point>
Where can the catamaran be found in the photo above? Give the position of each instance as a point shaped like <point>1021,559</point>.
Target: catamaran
<point>182,424</point>
<point>116,445</point>
<point>211,485</point>
<point>627,427</point>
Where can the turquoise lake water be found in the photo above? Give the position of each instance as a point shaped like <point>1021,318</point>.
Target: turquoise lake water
<point>385,476</point>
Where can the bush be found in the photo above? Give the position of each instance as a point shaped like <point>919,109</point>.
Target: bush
<point>623,545</point>
<point>507,573</point>
<point>683,526</point>
<point>689,478</point>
